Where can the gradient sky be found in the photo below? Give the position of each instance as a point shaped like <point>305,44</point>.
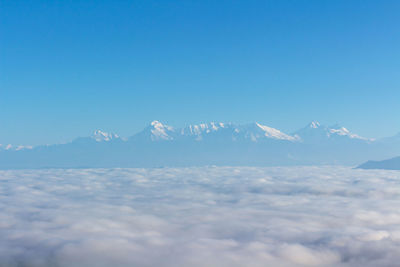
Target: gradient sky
<point>70,67</point>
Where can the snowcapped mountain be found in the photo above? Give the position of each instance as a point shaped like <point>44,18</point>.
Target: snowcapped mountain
<point>253,132</point>
<point>314,132</point>
<point>199,131</point>
<point>250,132</point>
<point>160,131</point>
<point>100,136</point>
<point>213,143</point>
<point>256,131</point>
<point>156,131</point>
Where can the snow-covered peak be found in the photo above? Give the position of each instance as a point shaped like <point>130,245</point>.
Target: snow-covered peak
<point>199,131</point>
<point>274,133</point>
<point>229,131</point>
<point>315,132</point>
<point>314,124</point>
<point>156,124</point>
<point>203,128</point>
<point>160,131</point>
<point>101,136</point>
<point>155,131</point>
<point>341,131</point>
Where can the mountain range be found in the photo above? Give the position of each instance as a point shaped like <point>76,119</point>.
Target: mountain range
<point>211,143</point>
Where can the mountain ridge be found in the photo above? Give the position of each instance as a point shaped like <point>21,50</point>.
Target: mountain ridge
<point>213,143</point>
<point>388,164</point>
<point>157,131</point>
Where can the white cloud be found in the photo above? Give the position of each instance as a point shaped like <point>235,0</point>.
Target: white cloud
<point>211,216</point>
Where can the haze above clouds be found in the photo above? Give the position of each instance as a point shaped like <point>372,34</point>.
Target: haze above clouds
<point>212,216</point>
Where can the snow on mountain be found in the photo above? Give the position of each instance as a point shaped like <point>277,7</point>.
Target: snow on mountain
<point>160,131</point>
<point>344,132</point>
<point>198,132</point>
<point>314,124</point>
<point>17,148</point>
<point>213,143</point>
<point>272,133</point>
<point>10,147</point>
<point>315,132</point>
<point>156,131</point>
<point>253,132</point>
<point>98,136</point>
<point>101,136</point>
<point>203,128</point>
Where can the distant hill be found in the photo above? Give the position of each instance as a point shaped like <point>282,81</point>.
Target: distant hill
<point>389,164</point>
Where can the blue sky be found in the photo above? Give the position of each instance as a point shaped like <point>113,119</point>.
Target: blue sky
<point>70,67</point>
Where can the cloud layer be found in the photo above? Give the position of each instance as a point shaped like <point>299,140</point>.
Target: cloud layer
<point>211,216</point>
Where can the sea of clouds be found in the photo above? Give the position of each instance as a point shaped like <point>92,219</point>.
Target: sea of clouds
<point>210,216</point>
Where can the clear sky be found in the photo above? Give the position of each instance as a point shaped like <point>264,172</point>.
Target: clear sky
<point>70,67</point>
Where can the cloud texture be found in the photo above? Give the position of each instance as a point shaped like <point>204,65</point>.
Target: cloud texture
<point>211,216</point>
